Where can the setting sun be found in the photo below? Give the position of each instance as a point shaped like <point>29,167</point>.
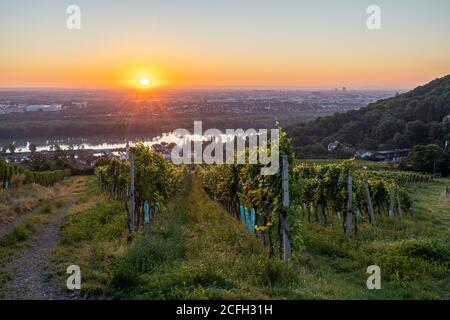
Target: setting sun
<point>144,82</point>
<point>139,77</point>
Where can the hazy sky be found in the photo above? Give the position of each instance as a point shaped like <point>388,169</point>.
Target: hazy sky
<point>254,43</point>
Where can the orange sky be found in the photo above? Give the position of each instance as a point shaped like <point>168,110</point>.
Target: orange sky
<point>229,44</point>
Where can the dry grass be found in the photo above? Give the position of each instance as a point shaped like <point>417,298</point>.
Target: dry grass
<point>17,201</point>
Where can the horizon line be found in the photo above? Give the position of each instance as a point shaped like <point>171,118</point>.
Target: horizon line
<point>215,88</point>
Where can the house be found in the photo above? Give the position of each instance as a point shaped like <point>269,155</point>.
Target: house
<point>363,154</point>
<point>384,155</point>
<point>333,146</point>
<point>391,155</point>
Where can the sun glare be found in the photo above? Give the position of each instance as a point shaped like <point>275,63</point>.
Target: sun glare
<point>144,82</point>
<point>141,79</point>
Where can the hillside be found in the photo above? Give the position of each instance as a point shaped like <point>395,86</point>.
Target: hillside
<point>197,250</point>
<point>416,117</point>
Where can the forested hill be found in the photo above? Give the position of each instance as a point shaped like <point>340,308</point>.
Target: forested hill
<point>419,116</point>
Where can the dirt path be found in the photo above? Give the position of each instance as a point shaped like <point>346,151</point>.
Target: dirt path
<point>29,276</point>
<point>29,272</point>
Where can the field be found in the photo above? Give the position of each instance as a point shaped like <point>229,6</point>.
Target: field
<point>195,248</point>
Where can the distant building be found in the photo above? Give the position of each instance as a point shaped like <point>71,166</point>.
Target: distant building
<point>333,146</point>
<point>446,118</point>
<point>384,155</point>
<point>43,108</point>
<point>344,89</point>
<point>83,104</point>
<point>363,154</point>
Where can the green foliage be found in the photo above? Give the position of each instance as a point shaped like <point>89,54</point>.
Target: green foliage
<point>104,221</point>
<point>19,234</point>
<point>296,230</point>
<point>323,189</point>
<point>243,184</point>
<point>428,249</point>
<point>155,178</point>
<point>427,159</point>
<point>404,261</point>
<point>45,178</point>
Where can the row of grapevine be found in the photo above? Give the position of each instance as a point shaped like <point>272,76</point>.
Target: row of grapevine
<point>318,190</point>
<point>319,193</point>
<point>46,178</point>
<point>399,177</point>
<point>7,172</point>
<point>12,175</point>
<point>242,187</point>
<point>155,179</point>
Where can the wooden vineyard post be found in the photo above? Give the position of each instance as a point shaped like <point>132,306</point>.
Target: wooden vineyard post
<point>284,226</point>
<point>132,200</point>
<point>349,227</point>
<point>369,203</point>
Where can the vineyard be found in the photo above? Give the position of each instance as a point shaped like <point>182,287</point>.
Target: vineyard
<point>147,229</point>
<point>12,176</point>
<point>154,180</point>
<point>329,193</point>
<point>324,190</point>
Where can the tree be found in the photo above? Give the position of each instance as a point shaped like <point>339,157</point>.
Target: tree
<point>32,147</point>
<point>401,141</point>
<point>427,159</point>
<point>12,148</point>
<point>352,132</point>
<point>387,128</point>
<point>39,162</point>
<point>417,131</point>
